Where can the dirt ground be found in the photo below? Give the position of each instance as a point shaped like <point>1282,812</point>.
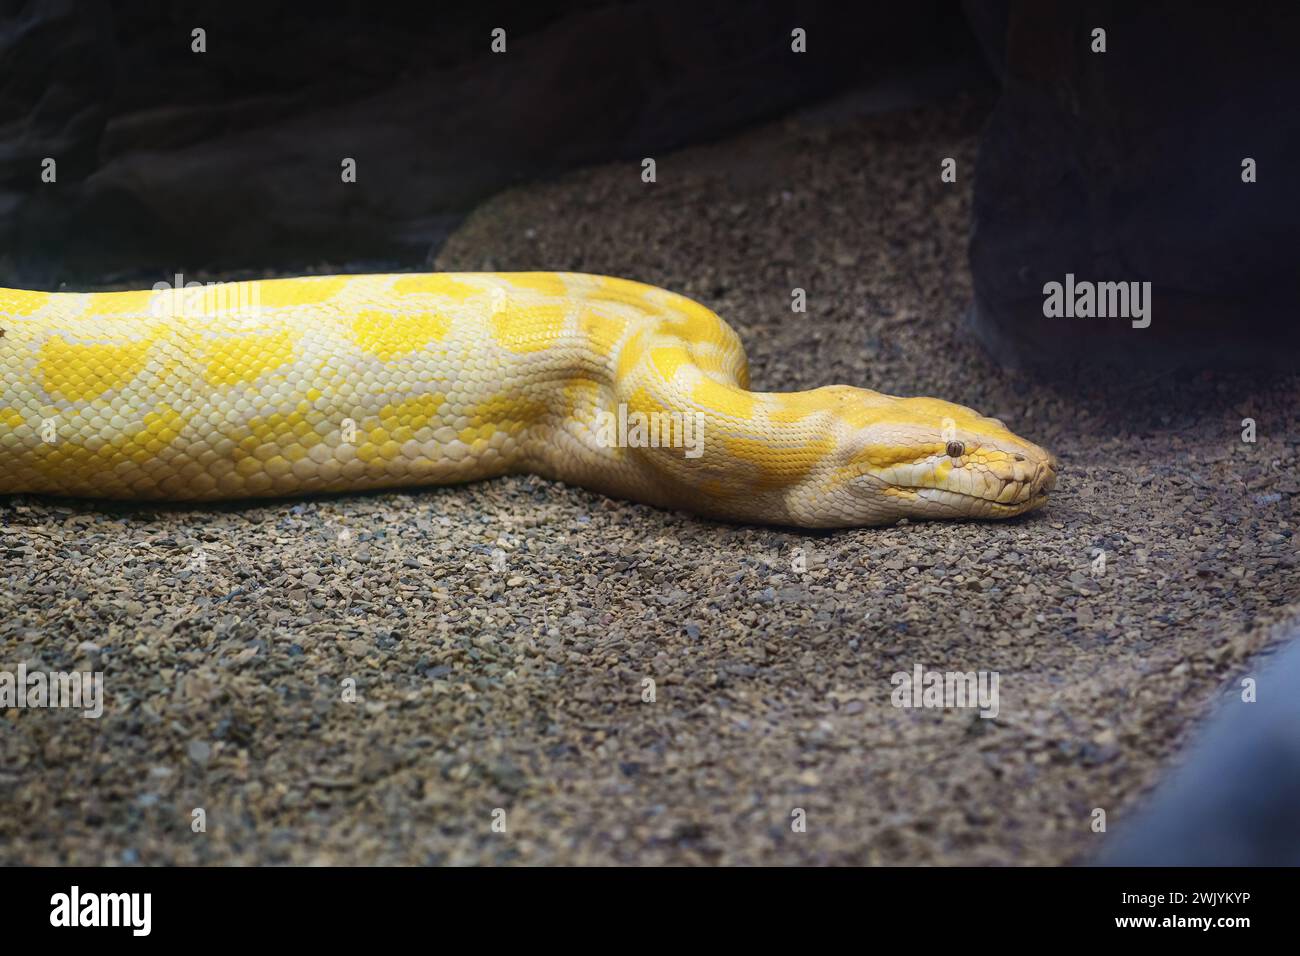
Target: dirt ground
<point>500,635</point>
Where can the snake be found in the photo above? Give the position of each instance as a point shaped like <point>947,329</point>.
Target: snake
<point>347,383</point>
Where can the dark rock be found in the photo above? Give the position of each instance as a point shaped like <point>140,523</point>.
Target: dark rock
<point>1233,801</point>
<point>1127,166</point>
<point>175,161</point>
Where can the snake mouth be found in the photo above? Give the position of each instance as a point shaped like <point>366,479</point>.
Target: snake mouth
<point>1019,508</point>
<point>1024,496</point>
<point>968,502</point>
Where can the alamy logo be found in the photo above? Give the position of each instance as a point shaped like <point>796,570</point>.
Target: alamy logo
<point>175,300</point>
<point>656,430</point>
<point>1102,300</point>
<point>103,909</point>
<point>24,688</point>
<point>923,688</point>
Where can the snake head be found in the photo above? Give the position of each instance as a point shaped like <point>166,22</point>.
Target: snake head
<point>927,458</point>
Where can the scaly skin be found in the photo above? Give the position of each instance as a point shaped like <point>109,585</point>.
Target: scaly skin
<point>250,389</point>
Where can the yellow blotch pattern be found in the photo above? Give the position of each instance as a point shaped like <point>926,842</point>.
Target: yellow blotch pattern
<point>81,371</point>
<point>507,413</point>
<point>436,285</point>
<point>615,289</point>
<point>884,455</point>
<point>529,329</point>
<point>904,493</point>
<point>642,401</point>
<point>939,474</point>
<point>545,283</point>
<point>242,359</point>
<point>579,393</point>
<point>278,426</point>
<point>158,429</point>
<point>386,335</point>
<point>724,399</point>
<point>222,298</point>
<point>281,293</point>
<point>601,331</point>
<point>411,414</point>
<point>630,355</point>
<point>696,324</point>
<point>795,406</point>
<point>931,412</point>
<point>18,302</point>
<point>860,416</point>
<point>713,362</point>
<point>67,461</point>
<point>778,465</point>
<point>668,360</point>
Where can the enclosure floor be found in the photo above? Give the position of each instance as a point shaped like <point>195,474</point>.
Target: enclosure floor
<point>499,634</point>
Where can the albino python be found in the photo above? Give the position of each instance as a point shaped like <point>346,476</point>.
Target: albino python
<point>344,383</point>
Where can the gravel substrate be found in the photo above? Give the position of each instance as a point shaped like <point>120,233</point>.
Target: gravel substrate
<point>500,635</point>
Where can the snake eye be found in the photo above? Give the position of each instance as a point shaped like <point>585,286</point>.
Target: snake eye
<point>955,449</point>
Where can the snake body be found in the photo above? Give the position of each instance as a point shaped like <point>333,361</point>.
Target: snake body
<point>341,383</point>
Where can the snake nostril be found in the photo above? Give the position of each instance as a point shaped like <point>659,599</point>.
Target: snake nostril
<point>1020,457</point>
